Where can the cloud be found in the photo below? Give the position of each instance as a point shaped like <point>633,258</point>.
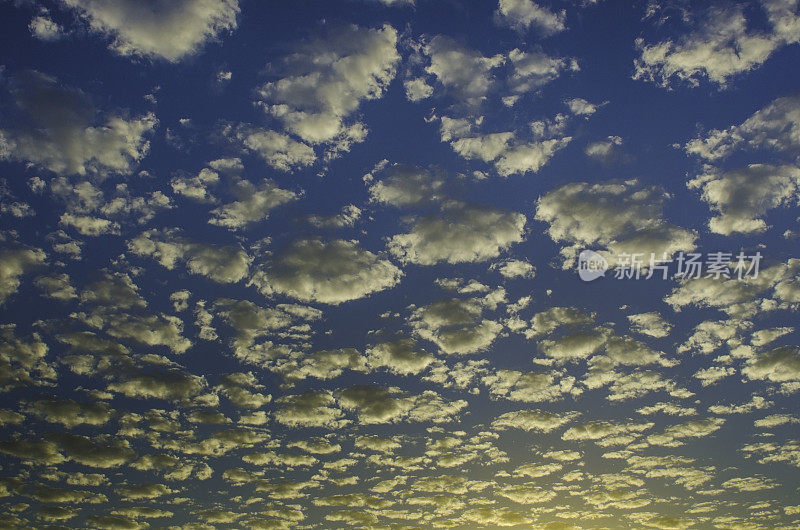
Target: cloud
<point>222,264</point>
<point>403,185</point>
<point>254,204</point>
<point>604,150</point>
<point>59,132</point>
<point>310,409</point>
<point>622,216</point>
<point>524,14</point>
<point>171,385</point>
<point>44,28</point>
<point>276,149</point>
<point>461,233</point>
<point>462,71</point>
<point>321,84</point>
<point>399,356</point>
<point>775,128</point>
<point>742,197</point>
<point>744,297</point>
<point>779,365</point>
<point>456,325</point>
<point>15,262</point>
<point>196,187</point>
<point>532,420</point>
<point>330,272</point>
<point>152,29</point>
<point>529,387</point>
<point>70,413</point>
<point>375,404</point>
<point>719,48</point>
<point>509,156</point>
<point>650,323</point>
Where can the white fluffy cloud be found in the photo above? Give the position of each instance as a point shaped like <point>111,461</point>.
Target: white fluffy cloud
<point>524,14</point>
<point>621,216</point>
<point>62,136</point>
<point>776,128</point>
<point>322,83</point>
<point>720,47</point>
<point>456,325</point>
<point>14,262</point>
<point>330,272</point>
<point>742,197</point>
<point>461,233</point>
<point>277,149</point>
<point>150,28</point>
<point>464,72</point>
<point>254,204</point>
<point>403,185</point>
<point>222,264</point>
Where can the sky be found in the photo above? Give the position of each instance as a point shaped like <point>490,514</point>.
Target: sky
<point>399,264</point>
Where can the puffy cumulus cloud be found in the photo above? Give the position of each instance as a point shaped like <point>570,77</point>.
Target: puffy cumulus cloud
<point>30,450</point>
<point>330,272</point>
<point>524,14</point>
<point>549,320</point>
<point>152,330</point>
<point>460,233</point>
<point>508,151</point>
<point>400,356</point>
<point>59,134</point>
<point>776,128</point>
<point>515,268</point>
<point>531,70</point>
<point>529,157</point>
<point>222,264</point>
<point>532,420</point>
<point>529,387</point>
<point>622,216</point>
<point>675,435</point>
<point>721,46</point>
<point>456,325</point>
<point>462,71</point>
<point>14,263</point>
<point>599,430</point>
<point>779,365</point>
<point>277,149</point>
<point>604,150</point>
<point>374,404</point>
<point>417,89</point>
<point>347,217</point>
<point>46,29</point>
<point>173,385</point>
<point>100,451</point>
<point>116,290</point>
<point>743,196</point>
<point>23,362</point>
<point>251,322</point>
<point>650,323</point>
<point>313,408</point>
<point>494,517</point>
<point>154,29</point>
<point>741,298</point>
<point>323,82</point>
<point>71,413</point>
<point>254,204</point>
<point>323,364</point>
<point>196,187</point>
<point>403,185</point>
<point>582,107</point>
